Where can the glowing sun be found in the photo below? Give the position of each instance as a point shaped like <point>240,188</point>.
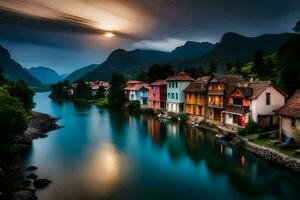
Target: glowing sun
<point>109,35</point>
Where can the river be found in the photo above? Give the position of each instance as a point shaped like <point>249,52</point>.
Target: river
<point>101,154</point>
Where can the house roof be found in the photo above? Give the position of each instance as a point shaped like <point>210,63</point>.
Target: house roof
<point>137,86</point>
<point>259,87</point>
<point>133,82</point>
<point>230,80</point>
<point>237,109</point>
<point>246,91</point>
<point>159,82</point>
<point>181,76</point>
<point>199,85</point>
<point>292,107</point>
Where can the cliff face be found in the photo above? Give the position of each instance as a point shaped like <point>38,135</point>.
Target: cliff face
<point>14,71</point>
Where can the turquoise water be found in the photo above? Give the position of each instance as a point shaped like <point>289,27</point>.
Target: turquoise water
<point>102,154</point>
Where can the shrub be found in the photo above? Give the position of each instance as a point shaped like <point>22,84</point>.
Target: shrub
<point>250,128</point>
<point>103,102</point>
<point>183,117</point>
<point>13,117</point>
<point>149,112</point>
<point>134,107</point>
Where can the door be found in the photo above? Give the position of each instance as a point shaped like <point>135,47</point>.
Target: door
<point>217,115</point>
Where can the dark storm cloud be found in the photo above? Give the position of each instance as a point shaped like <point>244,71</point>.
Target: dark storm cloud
<point>211,18</point>
<point>77,25</point>
<point>46,31</point>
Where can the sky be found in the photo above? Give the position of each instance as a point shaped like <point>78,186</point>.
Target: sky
<point>68,34</point>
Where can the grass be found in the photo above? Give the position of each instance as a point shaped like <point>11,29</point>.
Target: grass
<point>266,143</point>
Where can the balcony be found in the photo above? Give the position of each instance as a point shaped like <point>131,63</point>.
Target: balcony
<point>216,104</point>
<point>215,92</point>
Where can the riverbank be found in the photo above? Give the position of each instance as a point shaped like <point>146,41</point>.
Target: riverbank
<point>11,184</point>
<point>267,153</point>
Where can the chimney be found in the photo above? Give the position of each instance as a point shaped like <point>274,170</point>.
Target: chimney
<point>251,79</point>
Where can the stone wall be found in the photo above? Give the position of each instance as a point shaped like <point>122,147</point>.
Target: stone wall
<point>272,155</point>
<point>290,131</point>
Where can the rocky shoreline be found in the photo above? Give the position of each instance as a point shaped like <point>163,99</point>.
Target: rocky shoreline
<point>12,184</point>
<point>261,151</point>
<point>272,155</point>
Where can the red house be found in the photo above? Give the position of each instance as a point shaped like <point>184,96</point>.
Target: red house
<point>158,94</point>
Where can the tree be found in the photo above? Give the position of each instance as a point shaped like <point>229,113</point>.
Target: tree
<point>259,64</point>
<point>59,90</point>
<point>22,93</point>
<point>143,76</point>
<point>238,66</point>
<point>100,93</point>
<point>297,26</point>
<point>289,65</point>
<point>2,79</point>
<point>116,97</point>
<point>13,116</point>
<point>83,90</point>
<point>157,72</point>
<point>213,67</point>
<point>229,67</point>
<point>195,72</point>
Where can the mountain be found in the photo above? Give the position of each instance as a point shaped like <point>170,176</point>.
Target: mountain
<point>191,50</point>
<point>63,76</point>
<point>123,61</point>
<point>45,75</point>
<point>234,47</point>
<point>74,76</point>
<point>14,71</point>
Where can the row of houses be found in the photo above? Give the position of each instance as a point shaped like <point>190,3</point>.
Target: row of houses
<point>94,85</point>
<point>227,100</point>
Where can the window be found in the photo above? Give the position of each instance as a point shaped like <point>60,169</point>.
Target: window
<point>172,84</point>
<point>237,101</point>
<point>172,95</point>
<point>176,84</point>
<point>268,98</point>
<point>294,122</point>
<point>176,95</point>
<point>189,95</point>
<point>169,84</point>
<point>169,95</point>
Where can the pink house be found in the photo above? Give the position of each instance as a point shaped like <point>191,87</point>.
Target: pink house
<point>158,94</point>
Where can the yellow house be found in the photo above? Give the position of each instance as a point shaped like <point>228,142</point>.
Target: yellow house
<point>195,97</point>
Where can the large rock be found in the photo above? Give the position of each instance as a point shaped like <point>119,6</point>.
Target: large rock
<point>24,195</point>
<point>32,176</point>
<point>1,173</point>
<point>31,168</point>
<point>41,183</point>
<point>26,183</point>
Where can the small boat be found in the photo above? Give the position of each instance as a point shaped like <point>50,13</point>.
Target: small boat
<point>196,124</point>
<point>220,136</point>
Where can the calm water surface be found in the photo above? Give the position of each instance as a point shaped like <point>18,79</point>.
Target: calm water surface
<point>101,154</point>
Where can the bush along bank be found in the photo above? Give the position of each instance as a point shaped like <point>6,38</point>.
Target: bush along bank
<point>19,126</point>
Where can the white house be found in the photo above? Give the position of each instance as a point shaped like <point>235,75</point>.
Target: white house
<point>256,101</point>
<point>266,99</point>
<point>175,92</point>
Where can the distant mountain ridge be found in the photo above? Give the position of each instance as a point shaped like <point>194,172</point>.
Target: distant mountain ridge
<point>14,71</point>
<point>45,75</point>
<point>234,47</point>
<point>77,74</point>
<point>191,50</point>
<point>123,61</point>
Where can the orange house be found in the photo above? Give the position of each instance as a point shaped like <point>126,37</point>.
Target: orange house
<point>195,97</point>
